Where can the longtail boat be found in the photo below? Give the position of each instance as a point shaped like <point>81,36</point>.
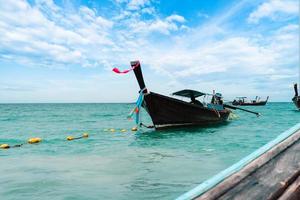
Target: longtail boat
<point>167,112</point>
<point>296,98</point>
<point>241,101</point>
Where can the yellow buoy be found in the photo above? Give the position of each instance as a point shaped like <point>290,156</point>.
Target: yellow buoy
<point>34,140</point>
<point>70,138</point>
<point>112,130</point>
<point>4,146</point>
<point>123,130</point>
<point>134,129</point>
<point>85,135</point>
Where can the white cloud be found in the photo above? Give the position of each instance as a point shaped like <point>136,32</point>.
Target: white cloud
<point>256,55</point>
<point>137,4</point>
<point>47,35</point>
<point>175,18</point>
<point>275,9</point>
<point>90,16</point>
<point>55,37</point>
<point>164,26</point>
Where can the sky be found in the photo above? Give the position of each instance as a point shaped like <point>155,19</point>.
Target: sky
<point>64,51</point>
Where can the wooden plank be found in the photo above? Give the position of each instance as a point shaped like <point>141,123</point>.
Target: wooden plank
<point>271,180</point>
<point>292,192</point>
<point>235,179</point>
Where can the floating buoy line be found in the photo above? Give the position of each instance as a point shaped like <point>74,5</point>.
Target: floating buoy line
<point>85,135</point>
<point>112,130</point>
<point>36,140</point>
<point>29,141</point>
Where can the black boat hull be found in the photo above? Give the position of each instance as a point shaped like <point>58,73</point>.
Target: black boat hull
<point>296,101</point>
<point>261,103</point>
<point>167,112</point>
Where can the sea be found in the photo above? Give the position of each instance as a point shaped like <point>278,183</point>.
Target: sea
<point>115,162</point>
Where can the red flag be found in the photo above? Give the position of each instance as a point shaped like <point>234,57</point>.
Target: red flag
<point>116,70</point>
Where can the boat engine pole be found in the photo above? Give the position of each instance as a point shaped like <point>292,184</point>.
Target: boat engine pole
<point>237,108</point>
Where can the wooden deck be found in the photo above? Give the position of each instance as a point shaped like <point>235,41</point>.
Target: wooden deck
<point>274,174</point>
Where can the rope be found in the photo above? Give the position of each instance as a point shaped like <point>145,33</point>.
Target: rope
<point>137,108</point>
<point>150,126</point>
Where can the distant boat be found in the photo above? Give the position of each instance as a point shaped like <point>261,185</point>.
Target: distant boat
<point>171,112</point>
<point>296,98</point>
<point>241,101</point>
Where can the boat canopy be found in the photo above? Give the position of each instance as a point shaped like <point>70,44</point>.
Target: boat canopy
<point>189,93</point>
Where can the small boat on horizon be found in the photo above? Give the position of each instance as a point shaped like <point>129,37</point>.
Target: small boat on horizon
<point>296,98</point>
<point>242,101</point>
<point>168,112</point>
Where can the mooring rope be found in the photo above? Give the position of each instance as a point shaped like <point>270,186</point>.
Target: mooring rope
<point>146,126</point>
<point>29,141</point>
<point>137,108</point>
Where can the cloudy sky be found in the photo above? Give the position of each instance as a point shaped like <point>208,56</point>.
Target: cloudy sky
<point>63,51</point>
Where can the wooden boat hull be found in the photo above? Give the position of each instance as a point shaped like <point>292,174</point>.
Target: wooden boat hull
<point>296,101</point>
<point>261,103</point>
<point>167,112</point>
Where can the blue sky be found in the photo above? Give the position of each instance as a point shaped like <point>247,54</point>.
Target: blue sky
<point>63,51</point>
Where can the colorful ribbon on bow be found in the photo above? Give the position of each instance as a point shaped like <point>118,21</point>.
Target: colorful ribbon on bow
<point>116,70</point>
<point>137,108</point>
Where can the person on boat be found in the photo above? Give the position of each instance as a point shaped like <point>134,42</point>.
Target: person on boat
<point>219,99</point>
<point>255,100</point>
<point>213,99</point>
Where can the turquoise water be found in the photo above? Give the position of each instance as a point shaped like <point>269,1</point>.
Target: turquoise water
<point>113,165</point>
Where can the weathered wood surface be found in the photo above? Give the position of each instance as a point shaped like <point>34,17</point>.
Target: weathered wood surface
<point>292,192</point>
<point>267,177</point>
